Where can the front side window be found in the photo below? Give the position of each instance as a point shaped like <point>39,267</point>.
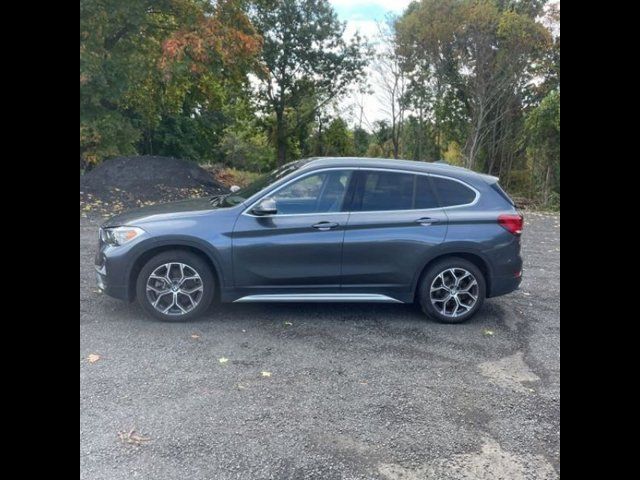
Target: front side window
<point>452,193</point>
<point>318,193</point>
<point>232,199</point>
<point>384,191</point>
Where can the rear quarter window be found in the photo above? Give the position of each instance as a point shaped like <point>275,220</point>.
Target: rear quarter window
<point>452,193</point>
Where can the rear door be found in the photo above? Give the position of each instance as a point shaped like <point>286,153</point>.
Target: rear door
<point>395,223</point>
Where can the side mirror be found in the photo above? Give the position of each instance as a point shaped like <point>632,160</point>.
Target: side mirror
<point>265,207</point>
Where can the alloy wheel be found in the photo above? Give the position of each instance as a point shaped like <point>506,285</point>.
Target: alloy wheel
<point>174,288</point>
<point>454,292</point>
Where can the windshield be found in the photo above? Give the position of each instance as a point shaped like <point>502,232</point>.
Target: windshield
<point>261,183</point>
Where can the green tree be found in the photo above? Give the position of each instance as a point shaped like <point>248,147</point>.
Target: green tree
<point>247,147</point>
<point>339,139</point>
<point>361,140</point>
<point>305,56</point>
<point>480,50</point>
<point>426,39</point>
<point>158,71</point>
<point>542,127</point>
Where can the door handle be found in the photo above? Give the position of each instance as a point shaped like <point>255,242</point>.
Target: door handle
<point>323,226</point>
<point>426,221</point>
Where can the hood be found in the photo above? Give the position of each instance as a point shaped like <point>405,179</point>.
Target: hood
<point>161,211</point>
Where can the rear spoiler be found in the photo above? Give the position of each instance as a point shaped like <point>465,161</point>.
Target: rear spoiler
<point>493,183</point>
<point>490,179</point>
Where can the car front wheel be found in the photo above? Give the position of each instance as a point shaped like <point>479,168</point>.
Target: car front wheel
<point>175,286</point>
<point>452,290</point>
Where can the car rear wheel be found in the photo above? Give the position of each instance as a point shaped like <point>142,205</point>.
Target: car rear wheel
<point>175,286</point>
<point>452,290</point>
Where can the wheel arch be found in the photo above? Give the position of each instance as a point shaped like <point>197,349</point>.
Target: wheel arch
<point>472,256</point>
<point>182,244</point>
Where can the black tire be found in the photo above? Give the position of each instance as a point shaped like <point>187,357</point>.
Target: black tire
<point>192,261</point>
<point>428,279</point>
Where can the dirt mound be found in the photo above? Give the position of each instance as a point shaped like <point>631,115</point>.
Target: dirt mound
<point>126,182</point>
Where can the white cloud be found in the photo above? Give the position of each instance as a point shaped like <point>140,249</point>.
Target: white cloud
<point>367,28</point>
<point>363,16</point>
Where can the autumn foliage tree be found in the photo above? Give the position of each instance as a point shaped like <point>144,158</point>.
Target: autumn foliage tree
<point>146,65</point>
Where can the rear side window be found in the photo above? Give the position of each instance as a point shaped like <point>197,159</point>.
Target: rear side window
<point>452,193</point>
<point>384,191</point>
<point>387,191</point>
<point>424,193</point>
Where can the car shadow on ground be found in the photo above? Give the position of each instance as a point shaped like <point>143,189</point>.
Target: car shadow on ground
<point>490,314</point>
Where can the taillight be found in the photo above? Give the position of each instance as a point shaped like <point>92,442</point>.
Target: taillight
<point>513,222</point>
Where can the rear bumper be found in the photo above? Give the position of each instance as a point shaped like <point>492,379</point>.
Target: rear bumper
<point>503,285</point>
<point>506,264</point>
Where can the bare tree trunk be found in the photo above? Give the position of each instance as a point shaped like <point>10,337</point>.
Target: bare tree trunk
<point>494,147</point>
<point>473,147</point>
<point>437,121</point>
<point>420,133</point>
<point>547,179</point>
<point>281,139</point>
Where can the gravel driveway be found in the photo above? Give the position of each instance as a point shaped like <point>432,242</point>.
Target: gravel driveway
<point>317,391</point>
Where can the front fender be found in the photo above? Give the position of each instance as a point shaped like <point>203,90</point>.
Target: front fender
<point>220,258</point>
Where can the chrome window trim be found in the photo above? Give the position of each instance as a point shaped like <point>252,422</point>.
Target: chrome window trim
<point>380,169</point>
<point>426,174</point>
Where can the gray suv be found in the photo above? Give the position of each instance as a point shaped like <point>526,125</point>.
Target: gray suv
<point>322,230</point>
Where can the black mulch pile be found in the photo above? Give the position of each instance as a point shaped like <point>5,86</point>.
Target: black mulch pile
<point>127,182</point>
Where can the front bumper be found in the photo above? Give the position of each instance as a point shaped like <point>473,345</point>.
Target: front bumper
<point>104,285</point>
<point>112,270</point>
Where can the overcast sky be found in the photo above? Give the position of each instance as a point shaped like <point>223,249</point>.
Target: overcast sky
<point>362,16</point>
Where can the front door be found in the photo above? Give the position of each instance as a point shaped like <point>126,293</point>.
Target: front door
<point>299,248</point>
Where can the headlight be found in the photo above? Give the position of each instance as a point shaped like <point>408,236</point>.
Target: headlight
<point>120,235</point>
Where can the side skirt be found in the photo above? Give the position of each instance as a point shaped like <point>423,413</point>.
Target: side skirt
<point>318,297</point>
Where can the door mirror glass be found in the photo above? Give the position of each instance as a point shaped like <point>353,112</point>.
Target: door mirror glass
<point>265,207</point>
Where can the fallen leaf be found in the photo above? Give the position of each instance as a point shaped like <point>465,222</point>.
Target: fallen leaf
<point>488,333</point>
<point>223,360</point>
<point>132,437</point>
<point>266,374</point>
<point>93,358</point>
